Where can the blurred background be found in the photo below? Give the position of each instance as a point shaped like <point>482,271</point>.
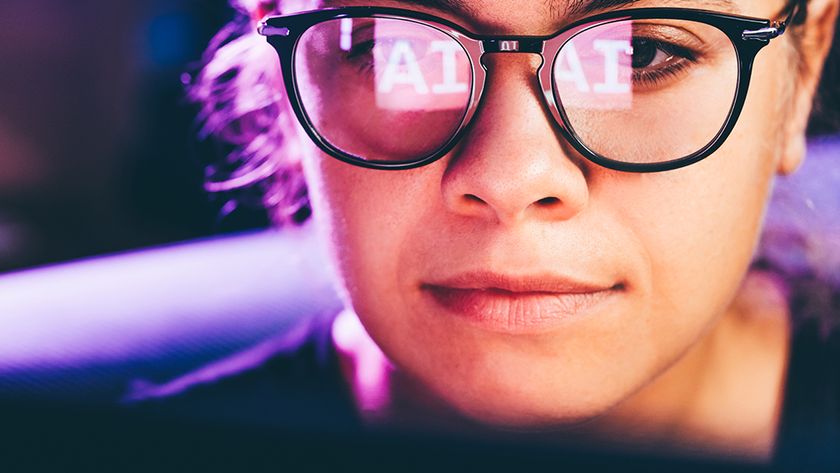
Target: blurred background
<point>99,155</point>
<point>97,146</point>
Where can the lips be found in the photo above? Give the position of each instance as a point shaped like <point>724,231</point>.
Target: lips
<point>518,304</point>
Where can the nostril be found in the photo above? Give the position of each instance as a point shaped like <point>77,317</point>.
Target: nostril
<point>473,198</point>
<point>548,201</point>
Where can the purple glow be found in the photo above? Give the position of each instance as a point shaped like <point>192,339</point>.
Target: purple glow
<point>128,307</point>
<point>370,366</point>
<point>802,227</point>
<point>238,363</point>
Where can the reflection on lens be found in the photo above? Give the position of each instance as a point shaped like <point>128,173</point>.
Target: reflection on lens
<point>381,89</point>
<point>646,91</point>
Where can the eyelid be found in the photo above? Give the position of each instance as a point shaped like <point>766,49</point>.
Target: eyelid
<point>671,33</point>
<point>363,28</point>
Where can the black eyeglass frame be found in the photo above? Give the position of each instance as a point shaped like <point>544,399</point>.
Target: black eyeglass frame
<point>748,35</point>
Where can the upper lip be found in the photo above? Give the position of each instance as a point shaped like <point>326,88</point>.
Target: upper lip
<point>542,282</point>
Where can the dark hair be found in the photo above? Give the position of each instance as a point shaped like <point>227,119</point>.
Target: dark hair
<point>241,111</point>
<point>825,118</point>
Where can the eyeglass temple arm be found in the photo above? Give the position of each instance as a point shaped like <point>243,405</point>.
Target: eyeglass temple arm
<point>797,10</point>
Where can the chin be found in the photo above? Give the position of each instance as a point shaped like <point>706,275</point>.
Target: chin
<point>527,418</point>
<point>522,405</point>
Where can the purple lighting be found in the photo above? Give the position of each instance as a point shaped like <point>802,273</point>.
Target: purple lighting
<point>137,305</point>
<point>802,228</point>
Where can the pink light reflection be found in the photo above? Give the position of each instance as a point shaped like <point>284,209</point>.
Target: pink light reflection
<point>369,365</point>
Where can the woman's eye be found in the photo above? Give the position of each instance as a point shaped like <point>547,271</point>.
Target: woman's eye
<point>376,48</point>
<point>361,49</point>
<point>365,54</point>
<point>384,50</point>
<point>653,62</point>
<point>651,53</point>
<point>645,53</point>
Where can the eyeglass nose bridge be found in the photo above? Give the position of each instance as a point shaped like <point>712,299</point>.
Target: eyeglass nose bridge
<point>513,45</point>
<point>477,48</point>
<point>531,45</point>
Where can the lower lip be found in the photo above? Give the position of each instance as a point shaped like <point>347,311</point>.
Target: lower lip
<point>516,312</point>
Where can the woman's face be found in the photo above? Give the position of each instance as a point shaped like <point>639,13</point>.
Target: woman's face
<point>662,254</point>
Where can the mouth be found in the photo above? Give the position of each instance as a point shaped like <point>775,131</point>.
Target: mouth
<point>515,304</point>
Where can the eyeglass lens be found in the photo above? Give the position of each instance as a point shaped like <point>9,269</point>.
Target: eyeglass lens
<point>637,91</point>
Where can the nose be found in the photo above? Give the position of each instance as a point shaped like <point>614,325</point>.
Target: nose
<point>512,164</point>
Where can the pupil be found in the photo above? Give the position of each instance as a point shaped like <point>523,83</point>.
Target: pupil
<point>644,52</point>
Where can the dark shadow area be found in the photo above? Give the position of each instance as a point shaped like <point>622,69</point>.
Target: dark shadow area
<point>97,144</point>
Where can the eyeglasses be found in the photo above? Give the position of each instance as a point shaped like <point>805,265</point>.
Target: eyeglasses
<point>639,90</point>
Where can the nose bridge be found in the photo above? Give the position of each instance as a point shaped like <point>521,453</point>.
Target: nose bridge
<point>513,161</point>
<point>517,45</point>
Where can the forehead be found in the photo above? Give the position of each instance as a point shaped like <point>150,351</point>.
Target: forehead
<point>545,16</point>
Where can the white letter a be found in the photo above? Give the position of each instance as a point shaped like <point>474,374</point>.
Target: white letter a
<point>574,73</point>
<point>402,54</point>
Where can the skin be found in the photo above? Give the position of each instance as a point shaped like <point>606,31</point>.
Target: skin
<point>691,343</point>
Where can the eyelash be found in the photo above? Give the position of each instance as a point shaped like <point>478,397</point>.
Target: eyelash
<point>687,58</point>
<point>358,53</point>
<point>659,76</point>
<point>359,49</point>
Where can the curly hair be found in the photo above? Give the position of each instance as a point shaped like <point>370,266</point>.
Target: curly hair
<point>241,107</point>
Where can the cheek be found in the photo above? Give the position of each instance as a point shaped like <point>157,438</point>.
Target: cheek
<point>699,225</point>
<point>367,218</point>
